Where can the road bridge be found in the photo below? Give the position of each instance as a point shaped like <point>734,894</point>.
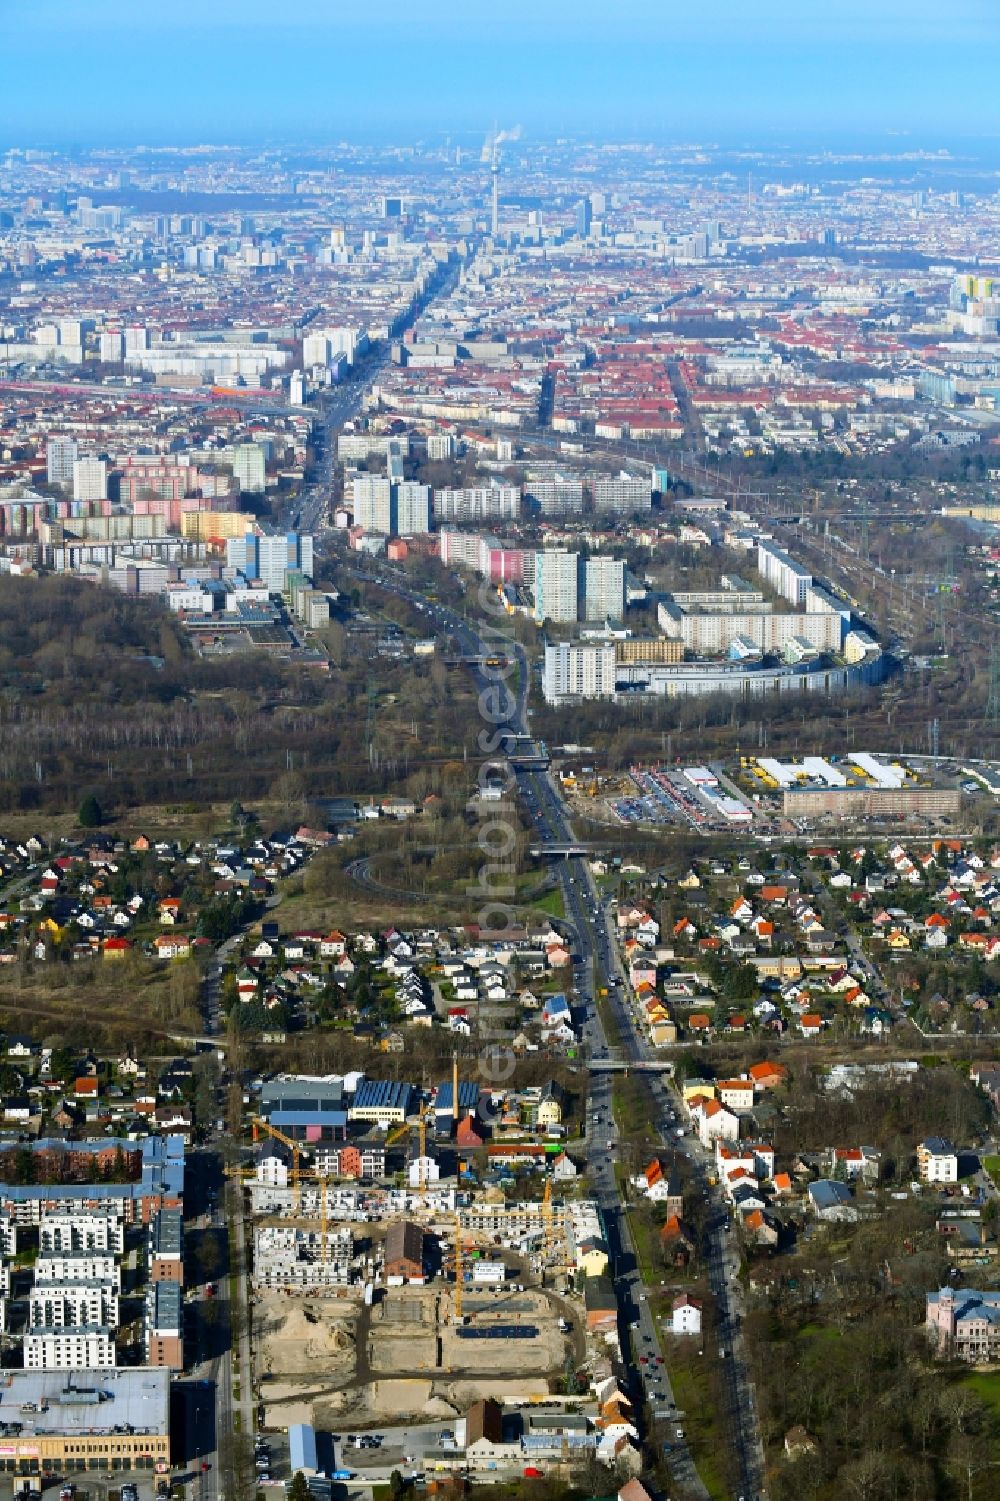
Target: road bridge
<point>629,1066</point>
<point>558,851</point>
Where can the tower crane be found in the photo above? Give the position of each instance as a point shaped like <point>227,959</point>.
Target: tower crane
<point>457,1262</point>
<point>547,1221</point>
<point>324,1220</point>
<point>259,1124</point>
<point>422,1147</point>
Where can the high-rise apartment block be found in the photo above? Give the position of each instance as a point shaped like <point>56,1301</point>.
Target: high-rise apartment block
<point>624,493</point>
<point>556,586</point>
<point>315,349</point>
<point>60,457</point>
<point>112,347</point>
<point>395,508</point>
<point>603,589</point>
<point>479,503</point>
<point>784,575</point>
<point>373,503</point>
<point>271,558</point>
<point>248,468</point>
<point>562,495</point>
<point>90,479</point>
<point>575,670</point>
<point>413,508</point>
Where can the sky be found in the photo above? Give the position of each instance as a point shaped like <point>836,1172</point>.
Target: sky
<point>136,71</point>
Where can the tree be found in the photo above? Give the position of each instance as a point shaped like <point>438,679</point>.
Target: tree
<point>299,1489</point>
<point>90,814</point>
<point>397,1485</point>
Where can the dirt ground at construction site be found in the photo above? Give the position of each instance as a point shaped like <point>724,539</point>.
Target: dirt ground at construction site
<point>330,1360</point>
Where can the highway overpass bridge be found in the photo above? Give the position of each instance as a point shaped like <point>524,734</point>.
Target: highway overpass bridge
<point>559,851</point>
<point>629,1066</point>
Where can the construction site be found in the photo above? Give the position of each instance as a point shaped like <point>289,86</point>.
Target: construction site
<point>379,1303</point>
<point>403,1357</point>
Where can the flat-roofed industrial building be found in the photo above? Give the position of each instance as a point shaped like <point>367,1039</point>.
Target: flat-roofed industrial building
<point>108,1419</point>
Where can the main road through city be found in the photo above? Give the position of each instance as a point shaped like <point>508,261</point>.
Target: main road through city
<point>597,966</point>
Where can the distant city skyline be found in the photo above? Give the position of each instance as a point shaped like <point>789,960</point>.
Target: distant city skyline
<point>245,70</point>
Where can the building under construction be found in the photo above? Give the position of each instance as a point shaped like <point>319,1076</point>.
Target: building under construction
<point>286,1257</point>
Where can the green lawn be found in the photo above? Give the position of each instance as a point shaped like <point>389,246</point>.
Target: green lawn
<point>706,1440</point>
<point>630,1105</point>
<point>992,1166</point>
<point>818,1331</point>
<point>986,1385</point>
<point>645,1240</point>
<point>611,1029</point>
<point>552,903</point>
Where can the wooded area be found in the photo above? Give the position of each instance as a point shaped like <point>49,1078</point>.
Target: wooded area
<point>103,694</point>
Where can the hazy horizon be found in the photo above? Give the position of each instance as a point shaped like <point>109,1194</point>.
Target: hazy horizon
<point>240,72</point>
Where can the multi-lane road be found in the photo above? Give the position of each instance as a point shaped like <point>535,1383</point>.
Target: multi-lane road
<point>335,408</point>
<point>597,966</point>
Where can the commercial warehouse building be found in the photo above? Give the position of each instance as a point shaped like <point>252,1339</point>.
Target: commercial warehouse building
<point>852,802</point>
<point>105,1419</point>
<point>384,1102</point>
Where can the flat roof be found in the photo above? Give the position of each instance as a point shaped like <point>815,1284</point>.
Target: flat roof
<point>166,1232</point>
<point>87,1402</point>
<point>167,1314</point>
<point>304,1117</point>
<point>301,1094</point>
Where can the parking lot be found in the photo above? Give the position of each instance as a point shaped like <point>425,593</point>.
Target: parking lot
<point>87,1488</point>
<point>663,798</point>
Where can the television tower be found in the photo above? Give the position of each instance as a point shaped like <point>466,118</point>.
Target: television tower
<point>491,154</point>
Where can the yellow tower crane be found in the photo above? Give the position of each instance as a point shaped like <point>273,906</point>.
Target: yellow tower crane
<point>547,1221</point>
<point>422,1146</point>
<point>260,1124</point>
<point>458,1269</point>
<point>324,1220</point>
